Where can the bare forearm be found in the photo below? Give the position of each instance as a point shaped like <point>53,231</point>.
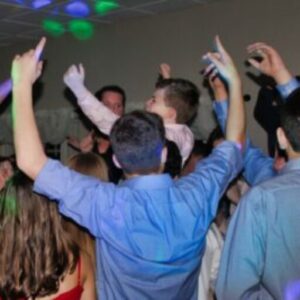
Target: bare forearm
<point>236,123</point>
<point>220,94</point>
<point>29,150</point>
<point>283,76</point>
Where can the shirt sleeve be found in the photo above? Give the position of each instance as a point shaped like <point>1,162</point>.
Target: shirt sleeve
<point>212,176</point>
<point>257,165</point>
<point>286,89</point>
<point>242,261</point>
<point>221,112</point>
<point>102,117</point>
<point>81,198</point>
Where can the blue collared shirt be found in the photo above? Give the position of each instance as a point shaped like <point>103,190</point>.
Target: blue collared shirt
<point>258,166</point>
<point>261,254</point>
<point>150,230</point>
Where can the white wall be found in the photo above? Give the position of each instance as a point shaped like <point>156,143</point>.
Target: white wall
<point>129,52</point>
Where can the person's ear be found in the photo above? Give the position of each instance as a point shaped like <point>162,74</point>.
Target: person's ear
<point>282,139</point>
<point>172,114</point>
<point>164,154</point>
<point>116,162</point>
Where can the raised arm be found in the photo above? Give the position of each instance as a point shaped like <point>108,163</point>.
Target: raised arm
<point>257,165</point>
<point>222,63</point>
<point>29,149</point>
<point>271,64</point>
<point>102,117</point>
<point>165,71</point>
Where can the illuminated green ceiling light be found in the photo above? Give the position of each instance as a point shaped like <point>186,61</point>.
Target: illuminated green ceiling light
<point>82,30</point>
<point>54,28</point>
<point>104,6</point>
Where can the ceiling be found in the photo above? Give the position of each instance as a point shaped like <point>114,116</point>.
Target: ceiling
<point>20,20</point>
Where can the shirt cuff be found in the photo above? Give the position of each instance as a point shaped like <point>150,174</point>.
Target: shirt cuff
<point>220,107</point>
<point>286,89</point>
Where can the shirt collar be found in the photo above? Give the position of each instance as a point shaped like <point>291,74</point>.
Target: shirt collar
<point>293,164</point>
<point>148,182</point>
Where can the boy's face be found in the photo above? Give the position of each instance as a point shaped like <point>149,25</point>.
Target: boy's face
<point>114,101</point>
<point>157,104</point>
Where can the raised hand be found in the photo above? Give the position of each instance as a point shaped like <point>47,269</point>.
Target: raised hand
<point>221,62</point>
<point>271,63</point>
<point>26,68</point>
<point>165,71</point>
<point>74,76</point>
<point>216,83</point>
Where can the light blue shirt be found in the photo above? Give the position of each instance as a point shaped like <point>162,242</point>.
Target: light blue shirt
<point>258,166</point>
<point>261,254</point>
<point>150,230</point>
<point>260,259</point>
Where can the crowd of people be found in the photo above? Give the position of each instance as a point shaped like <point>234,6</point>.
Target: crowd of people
<point>145,211</point>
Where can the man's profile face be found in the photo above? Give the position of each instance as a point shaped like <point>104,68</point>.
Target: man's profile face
<point>114,101</point>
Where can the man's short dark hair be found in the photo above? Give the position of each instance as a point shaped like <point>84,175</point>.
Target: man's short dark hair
<point>290,119</point>
<point>183,96</point>
<point>137,140</point>
<point>111,88</point>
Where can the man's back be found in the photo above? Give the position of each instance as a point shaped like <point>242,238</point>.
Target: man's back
<point>150,230</point>
<point>264,241</point>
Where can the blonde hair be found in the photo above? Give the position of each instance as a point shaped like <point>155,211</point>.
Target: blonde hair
<point>92,165</point>
<point>89,164</point>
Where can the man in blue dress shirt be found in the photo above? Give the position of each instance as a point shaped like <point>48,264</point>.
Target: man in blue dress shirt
<point>260,258</point>
<point>150,230</point>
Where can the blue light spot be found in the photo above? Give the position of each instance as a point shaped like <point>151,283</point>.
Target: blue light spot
<point>77,9</point>
<point>37,4</point>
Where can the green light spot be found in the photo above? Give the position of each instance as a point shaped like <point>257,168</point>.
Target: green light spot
<point>10,206</point>
<point>103,7</point>
<point>54,28</point>
<point>81,29</point>
<point>8,199</point>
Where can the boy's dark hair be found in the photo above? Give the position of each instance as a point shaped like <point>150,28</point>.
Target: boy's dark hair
<point>137,140</point>
<point>183,96</point>
<point>111,88</point>
<point>174,160</point>
<point>290,119</point>
<point>200,148</point>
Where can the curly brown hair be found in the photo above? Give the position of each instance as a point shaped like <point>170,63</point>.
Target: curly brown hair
<point>36,252</point>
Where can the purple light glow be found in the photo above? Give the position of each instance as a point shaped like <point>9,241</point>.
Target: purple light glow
<point>5,89</point>
<point>37,4</point>
<point>77,9</point>
<point>292,291</point>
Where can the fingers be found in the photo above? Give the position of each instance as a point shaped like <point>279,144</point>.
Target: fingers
<point>253,62</point>
<point>81,70</point>
<point>39,48</point>
<point>214,59</point>
<point>73,69</point>
<point>224,54</point>
<point>208,70</point>
<point>39,69</point>
<point>261,49</point>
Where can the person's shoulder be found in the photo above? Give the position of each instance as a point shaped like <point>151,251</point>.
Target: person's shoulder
<point>86,266</point>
